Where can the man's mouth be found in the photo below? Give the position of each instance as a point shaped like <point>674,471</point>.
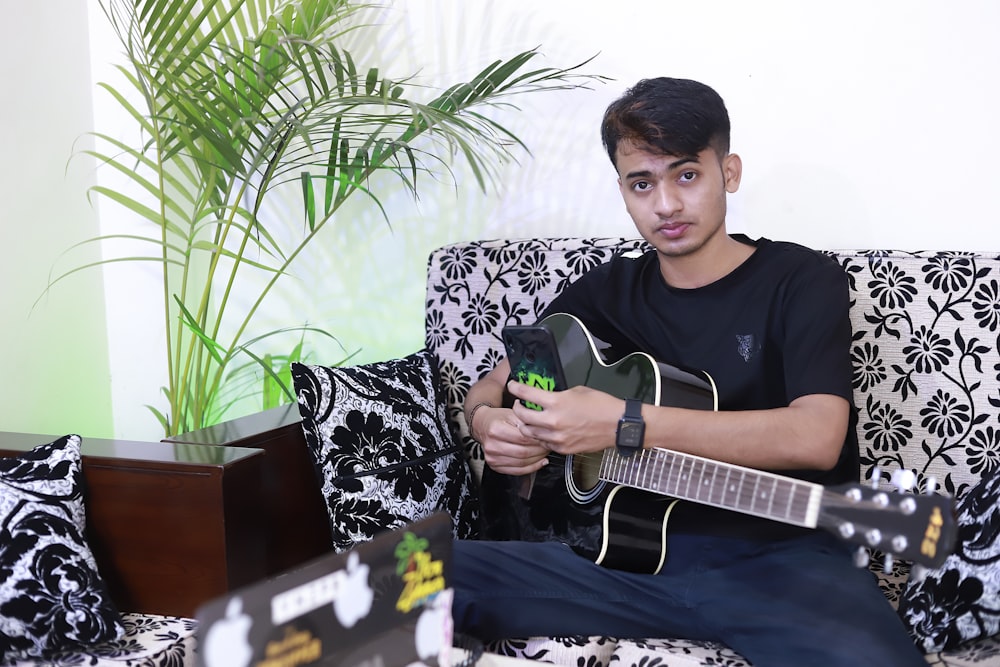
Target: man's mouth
<point>673,230</point>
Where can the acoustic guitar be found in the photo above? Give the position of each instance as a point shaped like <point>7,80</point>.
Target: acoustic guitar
<point>615,510</point>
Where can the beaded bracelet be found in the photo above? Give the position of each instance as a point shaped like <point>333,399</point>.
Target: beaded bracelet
<point>471,415</point>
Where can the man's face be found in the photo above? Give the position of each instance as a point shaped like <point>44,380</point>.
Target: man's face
<point>678,204</point>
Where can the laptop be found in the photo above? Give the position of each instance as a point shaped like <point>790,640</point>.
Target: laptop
<point>384,603</point>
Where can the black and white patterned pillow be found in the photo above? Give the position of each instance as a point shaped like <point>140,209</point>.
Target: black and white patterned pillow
<point>960,600</point>
<point>382,447</point>
<point>51,594</point>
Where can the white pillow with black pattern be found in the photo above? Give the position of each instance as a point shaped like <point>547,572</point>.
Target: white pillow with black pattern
<point>960,600</point>
<point>52,596</point>
<point>383,452</point>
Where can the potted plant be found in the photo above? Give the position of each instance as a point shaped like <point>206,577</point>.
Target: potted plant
<point>242,101</point>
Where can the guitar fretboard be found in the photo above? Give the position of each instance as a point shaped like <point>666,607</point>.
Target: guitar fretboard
<point>722,485</point>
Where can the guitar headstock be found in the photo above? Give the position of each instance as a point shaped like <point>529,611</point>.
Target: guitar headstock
<point>918,528</point>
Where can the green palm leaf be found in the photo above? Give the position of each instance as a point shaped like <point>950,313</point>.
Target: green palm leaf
<point>235,101</point>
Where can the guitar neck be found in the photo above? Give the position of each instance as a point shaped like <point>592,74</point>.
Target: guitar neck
<point>724,485</point>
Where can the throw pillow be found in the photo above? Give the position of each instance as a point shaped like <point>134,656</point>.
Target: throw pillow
<point>960,600</point>
<point>382,448</point>
<point>51,594</point>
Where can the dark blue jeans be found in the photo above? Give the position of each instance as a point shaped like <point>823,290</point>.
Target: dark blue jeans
<point>796,602</point>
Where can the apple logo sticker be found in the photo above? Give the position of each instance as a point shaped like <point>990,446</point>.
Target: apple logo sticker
<point>227,641</point>
<point>354,599</point>
<point>433,634</point>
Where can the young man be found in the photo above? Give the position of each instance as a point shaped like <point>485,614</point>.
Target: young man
<point>769,322</point>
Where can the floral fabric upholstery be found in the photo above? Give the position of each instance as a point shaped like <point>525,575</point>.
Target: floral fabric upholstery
<point>926,382</point>
<point>149,641</point>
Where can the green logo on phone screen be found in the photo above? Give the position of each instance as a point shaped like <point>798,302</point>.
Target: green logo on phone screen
<point>533,379</point>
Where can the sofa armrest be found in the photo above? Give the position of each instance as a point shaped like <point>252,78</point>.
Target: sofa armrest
<point>295,523</point>
<point>169,526</point>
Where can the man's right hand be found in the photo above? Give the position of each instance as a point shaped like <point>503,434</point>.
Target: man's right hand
<point>506,449</point>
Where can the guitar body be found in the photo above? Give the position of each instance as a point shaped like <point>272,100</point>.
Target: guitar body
<point>567,501</point>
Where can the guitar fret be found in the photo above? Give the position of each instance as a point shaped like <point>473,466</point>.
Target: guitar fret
<point>709,484</point>
<point>674,476</point>
<point>659,471</point>
<point>782,491</point>
<point>739,491</point>
<point>798,506</point>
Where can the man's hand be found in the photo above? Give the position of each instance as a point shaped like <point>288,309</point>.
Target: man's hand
<point>574,421</point>
<point>506,448</point>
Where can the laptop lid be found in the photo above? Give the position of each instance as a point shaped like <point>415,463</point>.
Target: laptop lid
<point>381,604</point>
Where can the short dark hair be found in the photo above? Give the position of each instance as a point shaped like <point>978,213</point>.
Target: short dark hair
<point>668,116</point>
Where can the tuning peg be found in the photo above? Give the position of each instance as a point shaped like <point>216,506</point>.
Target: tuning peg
<point>876,476</point>
<point>887,565</point>
<point>918,573</point>
<point>861,558</point>
<point>904,479</point>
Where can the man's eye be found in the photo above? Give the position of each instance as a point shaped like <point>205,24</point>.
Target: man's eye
<point>641,186</point>
<point>688,176</point>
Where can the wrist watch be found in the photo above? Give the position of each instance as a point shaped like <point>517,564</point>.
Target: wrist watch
<point>631,428</point>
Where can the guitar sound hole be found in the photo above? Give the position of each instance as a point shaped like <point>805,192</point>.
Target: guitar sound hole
<point>583,481</point>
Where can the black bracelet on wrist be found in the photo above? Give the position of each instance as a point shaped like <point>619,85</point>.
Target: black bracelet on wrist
<point>471,414</point>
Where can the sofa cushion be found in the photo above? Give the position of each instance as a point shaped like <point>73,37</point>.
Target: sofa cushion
<point>149,640</point>
<point>51,593</point>
<point>960,600</point>
<point>382,448</point>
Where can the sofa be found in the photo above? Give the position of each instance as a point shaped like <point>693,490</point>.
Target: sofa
<point>926,362</point>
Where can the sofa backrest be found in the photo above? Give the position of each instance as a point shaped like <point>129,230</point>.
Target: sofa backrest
<point>926,324</point>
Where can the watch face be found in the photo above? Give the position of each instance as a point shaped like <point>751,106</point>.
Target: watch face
<point>630,434</point>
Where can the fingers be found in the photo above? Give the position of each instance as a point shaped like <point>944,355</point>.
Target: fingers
<point>516,466</point>
<point>532,395</point>
<point>575,421</point>
<point>506,448</point>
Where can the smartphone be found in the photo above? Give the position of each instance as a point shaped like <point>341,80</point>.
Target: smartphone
<point>534,358</point>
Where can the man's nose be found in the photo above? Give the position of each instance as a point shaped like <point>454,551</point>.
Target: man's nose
<point>667,203</point>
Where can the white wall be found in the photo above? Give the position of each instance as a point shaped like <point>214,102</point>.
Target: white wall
<point>860,124</point>
<point>53,353</point>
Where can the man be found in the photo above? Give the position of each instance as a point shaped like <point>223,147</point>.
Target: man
<point>769,322</point>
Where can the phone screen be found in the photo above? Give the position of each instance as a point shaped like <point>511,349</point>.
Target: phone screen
<point>534,358</point>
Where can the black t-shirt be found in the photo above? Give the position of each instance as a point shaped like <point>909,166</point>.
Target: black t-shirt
<point>774,329</point>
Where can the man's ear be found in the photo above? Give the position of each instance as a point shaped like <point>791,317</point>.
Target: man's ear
<point>732,170</point>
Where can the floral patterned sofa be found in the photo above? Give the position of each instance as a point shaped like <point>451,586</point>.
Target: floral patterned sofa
<point>926,387</point>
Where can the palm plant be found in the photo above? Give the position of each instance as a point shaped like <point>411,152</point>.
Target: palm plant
<point>239,100</point>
